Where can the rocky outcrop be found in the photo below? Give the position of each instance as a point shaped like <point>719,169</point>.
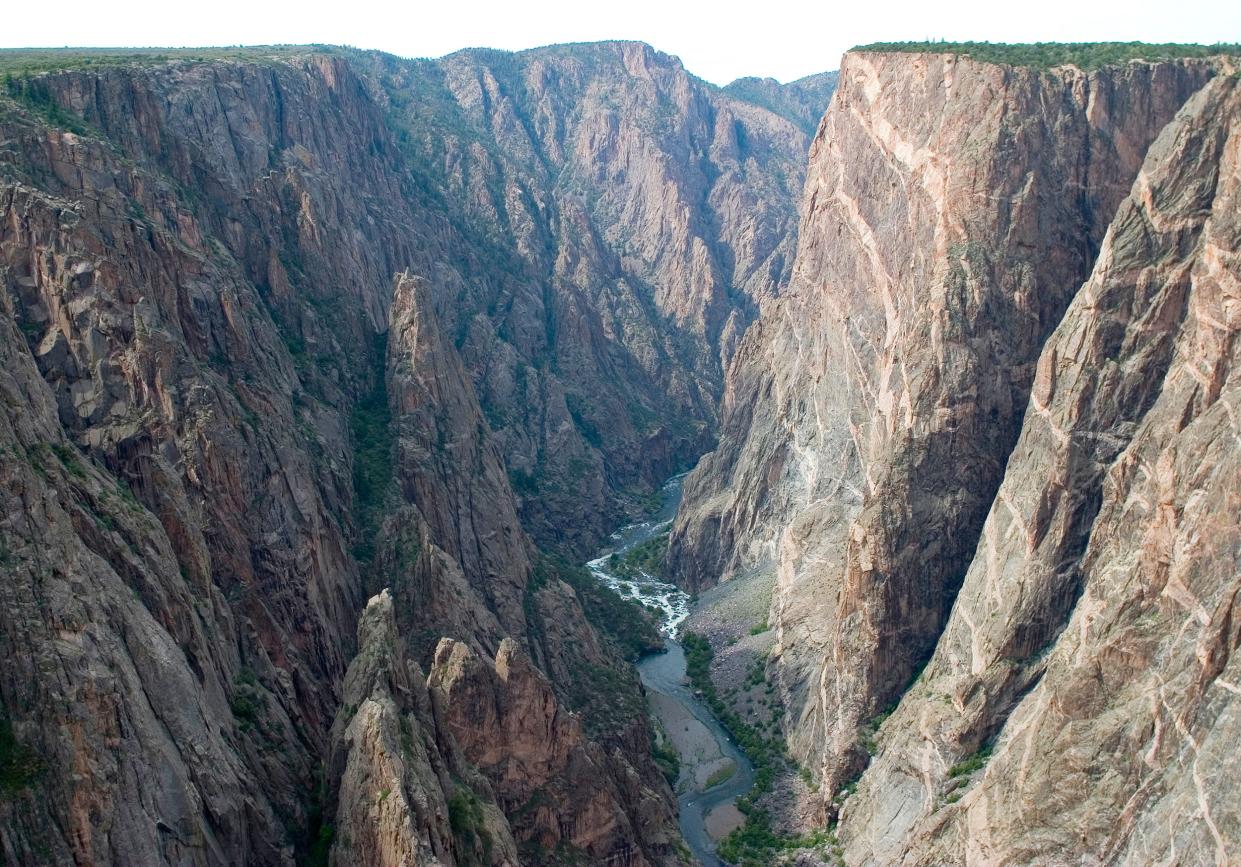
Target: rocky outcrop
<point>558,786</point>
<point>459,568</point>
<point>406,796</point>
<point>870,413</point>
<point>546,243</point>
<point>283,328</point>
<point>479,763</point>
<point>500,746</point>
<point>1090,653</point>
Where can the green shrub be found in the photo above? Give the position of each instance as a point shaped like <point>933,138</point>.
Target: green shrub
<point>469,827</point>
<point>870,730</point>
<point>245,709</point>
<point>247,702</point>
<point>39,101</point>
<point>722,775</point>
<point>580,411</point>
<point>644,559</point>
<point>68,457</point>
<point>754,843</point>
<point>322,846</point>
<point>667,759</point>
<point>1045,55</point>
<point>968,765</point>
<point>523,484</point>
<point>20,766</point>
<point>373,443</point>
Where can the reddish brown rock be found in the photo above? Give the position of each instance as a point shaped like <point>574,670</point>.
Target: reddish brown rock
<point>406,796</point>
<point>216,437</point>
<point>553,782</point>
<point>447,468</point>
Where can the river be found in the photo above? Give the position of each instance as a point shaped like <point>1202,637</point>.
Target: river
<point>664,674</point>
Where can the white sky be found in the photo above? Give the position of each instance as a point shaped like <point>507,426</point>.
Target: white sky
<point>718,41</point>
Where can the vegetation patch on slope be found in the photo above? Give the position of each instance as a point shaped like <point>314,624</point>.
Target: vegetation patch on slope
<point>370,422</point>
<point>971,763</point>
<point>469,826</point>
<point>38,100</point>
<point>1046,55</point>
<point>20,766</point>
<point>666,757</point>
<point>723,775</point>
<point>32,61</point>
<point>626,623</point>
<point>607,695</point>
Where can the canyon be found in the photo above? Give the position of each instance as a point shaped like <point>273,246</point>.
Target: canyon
<point>325,369</point>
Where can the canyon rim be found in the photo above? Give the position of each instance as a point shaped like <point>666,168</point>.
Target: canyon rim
<point>366,419</point>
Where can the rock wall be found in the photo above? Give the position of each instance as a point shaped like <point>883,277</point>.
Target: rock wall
<point>406,794</point>
<point>173,373</point>
<point>1090,652</point>
<point>873,419</point>
<point>624,220</point>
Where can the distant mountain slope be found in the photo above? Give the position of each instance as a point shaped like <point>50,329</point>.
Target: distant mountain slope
<point>626,220</point>
<point>801,101</point>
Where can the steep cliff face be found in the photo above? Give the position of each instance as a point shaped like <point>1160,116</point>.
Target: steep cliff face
<point>458,567</point>
<point>1090,652</point>
<point>952,210</point>
<point>226,425</point>
<point>118,669</point>
<point>626,219</point>
<point>567,796</point>
<point>156,325</point>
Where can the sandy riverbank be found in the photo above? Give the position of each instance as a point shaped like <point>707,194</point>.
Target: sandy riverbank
<point>723,820</point>
<point>700,752</point>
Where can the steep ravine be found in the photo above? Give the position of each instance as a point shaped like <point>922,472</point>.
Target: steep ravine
<point>321,371</point>
<point>623,221</point>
